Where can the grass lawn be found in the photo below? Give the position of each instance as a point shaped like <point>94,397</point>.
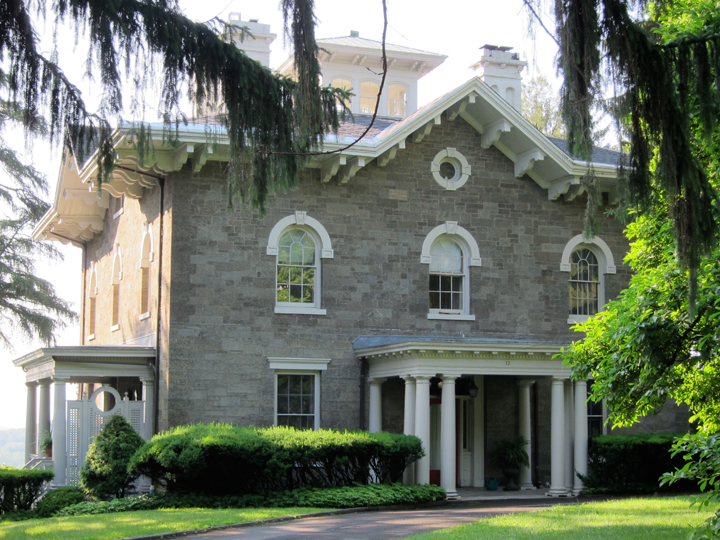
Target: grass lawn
<point>629,519</point>
<point>128,524</point>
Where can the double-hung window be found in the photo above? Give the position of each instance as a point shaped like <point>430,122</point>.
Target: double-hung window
<point>447,276</point>
<point>297,264</point>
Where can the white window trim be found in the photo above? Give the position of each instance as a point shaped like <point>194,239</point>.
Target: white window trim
<point>469,246</point>
<point>115,328</point>
<point>606,263</point>
<point>298,366</point>
<point>458,161</point>
<point>147,253</point>
<point>91,337</point>
<point>321,237</point>
<point>144,316</point>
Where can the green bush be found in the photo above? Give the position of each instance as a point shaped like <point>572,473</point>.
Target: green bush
<point>225,459</point>
<point>20,488</point>
<point>631,464</point>
<point>57,499</point>
<point>105,471</point>
<point>339,497</point>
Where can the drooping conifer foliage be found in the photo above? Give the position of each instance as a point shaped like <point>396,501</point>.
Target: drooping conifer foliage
<point>270,119</point>
<point>660,77</point>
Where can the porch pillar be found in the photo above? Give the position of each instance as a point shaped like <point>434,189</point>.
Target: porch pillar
<point>569,425</point>
<point>422,427</point>
<point>557,439</point>
<point>409,424</point>
<point>149,399</point>
<point>525,431</point>
<point>31,421</point>
<point>59,434</point>
<point>43,425</point>
<point>479,433</point>
<point>448,458</point>
<point>375,421</point>
<point>581,434</point>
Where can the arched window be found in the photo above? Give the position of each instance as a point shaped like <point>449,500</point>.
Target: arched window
<point>368,97</point>
<point>345,84</point>
<point>584,282</point>
<point>447,276</point>
<point>146,257</point>
<point>115,282</point>
<point>450,251</point>
<point>92,302</point>
<point>299,242</point>
<point>397,100</point>
<point>587,261</point>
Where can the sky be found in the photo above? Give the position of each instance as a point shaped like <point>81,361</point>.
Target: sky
<point>456,28</point>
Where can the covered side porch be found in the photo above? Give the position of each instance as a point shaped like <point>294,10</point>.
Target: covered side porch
<point>460,395</point>
<point>109,380</point>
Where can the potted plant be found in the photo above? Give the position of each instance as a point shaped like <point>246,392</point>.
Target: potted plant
<point>509,455</point>
<point>46,444</point>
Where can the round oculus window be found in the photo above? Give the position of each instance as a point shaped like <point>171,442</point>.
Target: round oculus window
<point>450,169</point>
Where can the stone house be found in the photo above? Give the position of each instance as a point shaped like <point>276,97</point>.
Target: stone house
<point>420,282</point>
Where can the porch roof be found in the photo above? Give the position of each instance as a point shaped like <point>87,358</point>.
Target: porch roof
<point>428,356</point>
<point>87,363</point>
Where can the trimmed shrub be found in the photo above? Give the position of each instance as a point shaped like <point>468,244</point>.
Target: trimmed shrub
<point>631,464</point>
<point>57,499</point>
<point>105,471</point>
<point>224,459</point>
<point>339,497</point>
<point>20,488</point>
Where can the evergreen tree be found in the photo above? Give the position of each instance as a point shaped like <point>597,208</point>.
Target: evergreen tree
<point>271,120</point>
<point>105,471</point>
<point>664,64</point>
<point>541,106</point>
<point>27,303</point>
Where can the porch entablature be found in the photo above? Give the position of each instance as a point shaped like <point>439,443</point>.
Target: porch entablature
<point>87,364</point>
<point>390,356</point>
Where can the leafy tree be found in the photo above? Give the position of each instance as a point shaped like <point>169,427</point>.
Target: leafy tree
<point>27,303</point>
<point>105,471</point>
<point>541,106</point>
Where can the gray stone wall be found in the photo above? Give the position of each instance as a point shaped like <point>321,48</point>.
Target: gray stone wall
<point>222,324</point>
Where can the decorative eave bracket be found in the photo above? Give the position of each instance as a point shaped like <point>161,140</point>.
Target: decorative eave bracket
<point>493,132</point>
<point>424,131</point>
<point>387,156</point>
<point>525,161</point>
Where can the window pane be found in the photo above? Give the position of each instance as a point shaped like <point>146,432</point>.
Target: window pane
<point>446,257</point>
<point>284,255</point>
<point>434,282</point>
<point>308,295</point>
<point>295,403</point>
<point>309,276</point>
<point>296,253</point>
<point>434,300</point>
<point>368,97</point>
<point>307,384</point>
<point>445,283</point>
<point>295,384</point>
<point>282,405</point>
<point>457,283</point>
<point>307,405</point>
<point>456,301</point>
<point>283,384</point>
<point>309,256</point>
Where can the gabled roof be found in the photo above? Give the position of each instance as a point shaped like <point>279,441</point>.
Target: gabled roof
<point>77,213</point>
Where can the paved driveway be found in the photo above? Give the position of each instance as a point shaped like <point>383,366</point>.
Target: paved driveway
<point>369,525</point>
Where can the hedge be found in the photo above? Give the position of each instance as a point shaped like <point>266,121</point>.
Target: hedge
<point>339,497</point>
<point>20,488</point>
<point>631,464</point>
<point>57,499</point>
<point>226,459</point>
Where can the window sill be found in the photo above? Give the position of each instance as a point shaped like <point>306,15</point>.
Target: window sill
<point>118,213</point>
<point>451,317</point>
<point>115,328</point>
<point>144,316</point>
<point>91,337</point>
<point>577,319</point>
<point>307,310</point>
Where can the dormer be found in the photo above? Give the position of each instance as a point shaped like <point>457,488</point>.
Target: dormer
<point>355,62</point>
<point>501,70</point>
<point>258,46</point>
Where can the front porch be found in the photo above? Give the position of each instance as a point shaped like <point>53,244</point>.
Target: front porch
<point>451,393</point>
<point>101,374</point>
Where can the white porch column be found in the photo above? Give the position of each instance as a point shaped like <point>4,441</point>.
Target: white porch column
<point>525,431</point>
<point>31,421</point>
<point>557,439</point>
<point>43,425</point>
<point>149,399</point>
<point>479,433</point>
<point>375,421</point>
<point>581,434</point>
<point>448,457</point>
<point>422,427</point>
<point>409,424</point>
<point>569,425</point>
<point>59,434</point>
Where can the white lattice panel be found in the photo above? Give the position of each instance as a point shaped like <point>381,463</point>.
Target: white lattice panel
<point>73,443</point>
<point>136,414</point>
